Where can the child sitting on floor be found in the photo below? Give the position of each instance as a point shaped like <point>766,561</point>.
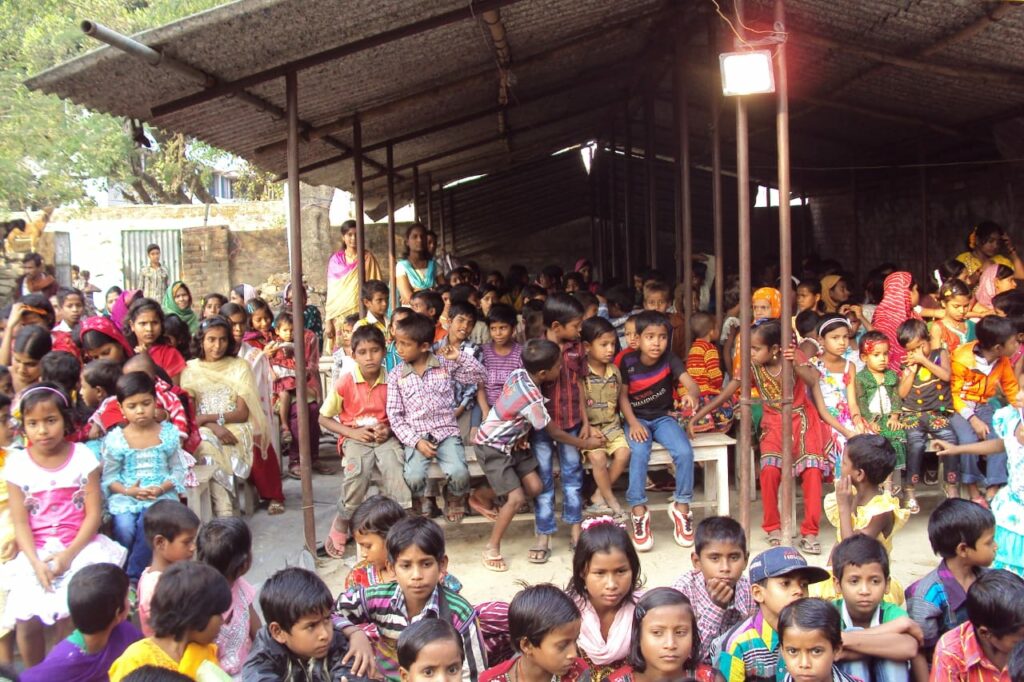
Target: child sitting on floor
<point>170,528</point>
<point>704,364</point>
<point>430,650</point>
<point>810,641</point>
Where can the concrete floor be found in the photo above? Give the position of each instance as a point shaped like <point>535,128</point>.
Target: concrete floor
<point>278,542</point>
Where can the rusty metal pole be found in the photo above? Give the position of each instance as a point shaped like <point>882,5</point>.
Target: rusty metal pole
<point>716,191</point>
<point>392,289</point>
<point>415,192</point>
<point>686,203</point>
<point>626,200</point>
<point>612,206</point>
<point>430,204</point>
<point>357,173</point>
<point>441,219</point>
<point>652,190</point>
<point>298,312</point>
<point>785,273</point>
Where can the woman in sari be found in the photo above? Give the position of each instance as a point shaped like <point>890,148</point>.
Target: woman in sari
<point>266,468</point>
<point>99,339</point>
<point>899,297</point>
<point>417,271</point>
<point>984,244</point>
<point>343,283</point>
<point>178,302</point>
<point>119,311</point>
<point>223,388</point>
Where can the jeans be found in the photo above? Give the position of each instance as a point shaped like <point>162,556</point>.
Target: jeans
<point>970,465</point>
<point>571,471</point>
<point>917,439</point>
<point>451,457</point>
<point>129,534</point>
<point>664,430</point>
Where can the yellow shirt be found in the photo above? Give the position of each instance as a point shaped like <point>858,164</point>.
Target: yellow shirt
<point>198,662</point>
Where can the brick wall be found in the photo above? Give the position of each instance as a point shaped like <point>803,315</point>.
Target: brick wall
<point>205,260</point>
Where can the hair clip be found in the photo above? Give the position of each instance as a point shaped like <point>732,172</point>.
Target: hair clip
<point>598,521</point>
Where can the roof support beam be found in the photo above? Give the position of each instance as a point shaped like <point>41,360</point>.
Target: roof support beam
<point>337,52</point>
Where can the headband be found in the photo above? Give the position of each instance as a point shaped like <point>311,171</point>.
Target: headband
<point>33,309</point>
<point>832,322</point>
<point>56,392</point>
<point>598,521</point>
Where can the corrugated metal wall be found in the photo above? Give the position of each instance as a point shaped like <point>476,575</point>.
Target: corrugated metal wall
<point>134,257</point>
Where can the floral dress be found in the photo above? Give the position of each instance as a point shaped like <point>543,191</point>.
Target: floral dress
<point>834,391</point>
<point>1008,504</point>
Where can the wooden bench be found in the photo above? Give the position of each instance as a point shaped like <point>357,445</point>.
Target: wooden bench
<point>709,449</point>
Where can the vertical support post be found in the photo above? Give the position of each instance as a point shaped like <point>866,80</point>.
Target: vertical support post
<point>416,194</point>
<point>594,220</point>
<point>295,264</point>
<point>685,206</point>
<point>613,252</point>
<point>785,273</point>
<point>430,203</point>
<point>441,221</point>
<point>357,173</point>
<point>652,192</point>
<point>393,295</point>
<point>627,199</point>
<point>922,173</point>
<point>451,219</point>
<point>856,221</point>
<point>716,198</point>
<point>744,454</point>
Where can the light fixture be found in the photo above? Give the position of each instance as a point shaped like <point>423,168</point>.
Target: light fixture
<point>587,152</point>
<point>747,73</point>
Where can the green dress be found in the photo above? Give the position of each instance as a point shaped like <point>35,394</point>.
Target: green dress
<point>879,400</point>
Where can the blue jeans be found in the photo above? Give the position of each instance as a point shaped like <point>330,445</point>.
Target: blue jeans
<point>129,534</point>
<point>970,465</point>
<point>571,471</point>
<point>664,430</point>
<point>451,457</point>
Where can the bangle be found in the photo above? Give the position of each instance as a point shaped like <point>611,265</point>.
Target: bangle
<point>220,419</point>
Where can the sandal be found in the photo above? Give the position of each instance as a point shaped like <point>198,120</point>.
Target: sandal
<point>294,471</point>
<point>334,544</point>
<point>482,509</point>
<point>494,563</point>
<point>912,505</point>
<point>810,544</point>
<point>538,555</point>
<point>454,509</point>
<point>275,508</point>
<point>323,468</point>
<point>774,538</point>
<point>597,510</point>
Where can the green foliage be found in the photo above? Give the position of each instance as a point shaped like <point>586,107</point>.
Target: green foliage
<point>51,149</point>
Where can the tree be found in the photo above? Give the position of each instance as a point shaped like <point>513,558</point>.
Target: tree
<point>53,151</point>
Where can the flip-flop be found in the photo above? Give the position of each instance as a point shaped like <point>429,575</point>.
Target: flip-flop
<point>494,563</point>
<point>810,546</point>
<point>295,472</point>
<point>454,510</point>
<point>334,544</point>
<point>774,538</point>
<point>483,510</point>
<point>275,508</point>
<point>597,510</point>
<point>545,554</point>
<point>913,506</point>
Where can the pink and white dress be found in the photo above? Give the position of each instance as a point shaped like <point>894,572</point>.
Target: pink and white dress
<point>55,500</point>
<point>233,642</point>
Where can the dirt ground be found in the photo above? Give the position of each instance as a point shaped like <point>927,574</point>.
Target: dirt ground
<point>278,542</point>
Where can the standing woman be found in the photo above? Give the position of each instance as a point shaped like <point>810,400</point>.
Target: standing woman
<point>417,271</point>
<point>343,283</point>
<point>266,468</point>
<point>223,388</point>
<point>178,301</point>
<point>984,245</point>
<point>144,330</point>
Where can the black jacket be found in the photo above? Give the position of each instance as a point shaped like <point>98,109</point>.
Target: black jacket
<point>272,662</point>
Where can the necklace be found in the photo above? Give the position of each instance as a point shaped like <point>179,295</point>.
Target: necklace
<point>769,372</point>
<point>514,676</point>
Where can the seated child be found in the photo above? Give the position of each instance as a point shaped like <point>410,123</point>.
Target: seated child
<point>186,620</point>
<point>461,321</point>
<point>810,641</point>
<point>8,543</point>
<point>656,655</point>
<point>430,650</point>
<point>170,528</point>
<point>356,410</point>
<point>649,376</point>
<point>391,358</point>
<point>419,407</point>
<point>658,298</point>
<point>961,532</point>
<point>98,382</point>
<point>716,586</point>
<point>432,305</point>
<point>980,648</point>
<point>501,356</point>
<point>878,397</point>
<point>750,651</point>
<point>704,364</point>
<point>341,359</point>
<point>502,443</point>
<point>544,624</point>
<point>375,300</point>
<point>416,549</point>
<point>226,544</point>
<point>860,567</point>
<point>806,325</point>
<point>299,642</point>
<point>98,600</point>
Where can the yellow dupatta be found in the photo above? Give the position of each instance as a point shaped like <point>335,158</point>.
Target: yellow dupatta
<point>343,284</point>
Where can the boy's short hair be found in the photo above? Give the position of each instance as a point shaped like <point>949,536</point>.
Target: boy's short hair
<point>61,368</point>
<point>701,324</point>
<point>188,595</point>
<point>561,308</point>
<point>226,544</point>
<point>32,257</point>
<point>993,331</point>
<point>996,601</point>
<point>350,320</point>
<point>419,328</point>
<point>859,550</point>
<point>168,519</point>
<point>873,454</point>
<point>719,529</point>
<point>912,330</point>
<point>502,313</point>
<point>461,294</point>
<point>374,286</point>
<point>96,597</point>
<point>807,322</point>
<point>586,299</point>
<point>957,521</point>
<point>657,286</point>
<point>415,531</point>
<point>532,291</point>
<point>620,297</point>
<point>151,248</point>
<point>291,594</point>
<point>651,318</point>
<point>64,292</point>
<point>103,374</point>
<point>464,308</point>
<point>368,333</point>
<point>539,355</point>
<point>432,300</point>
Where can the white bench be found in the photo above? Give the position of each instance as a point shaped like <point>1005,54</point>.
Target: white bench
<point>199,500</point>
<point>708,449</point>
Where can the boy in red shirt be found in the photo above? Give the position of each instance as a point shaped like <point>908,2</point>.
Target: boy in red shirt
<point>704,364</point>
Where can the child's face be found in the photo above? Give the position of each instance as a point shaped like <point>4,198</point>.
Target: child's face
<point>182,298</point>
<point>215,344</point>
<point>956,308</point>
<point>1009,348</point>
<point>653,342</point>
<point>806,299</point>
<point>71,311</point>
<point>418,305</point>
<point>261,321</point>
<point>775,594</point>
<point>501,333</point>
<point>111,298</point>
<point>373,547</point>
<point>877,357</point>
<point>7,384</point>
<point>439,661</point>
<point>760,352</point>
<point>557,650</point>
<point>408,349</point>
<point>368,356</point>
<point>631,336</point>
<point>284,331</point>
<point>984,551</point>
<point>570,331</point>
<point>862,588</point>
<point>602,349</point>
<point>418,572</point>
<point>1007,284</point>
<point>139,409</point>
<point>346,336</point>
<point>808,655</point>
<point>25,369</point>
<point>310,636</point>
<point>656,300</point>
<point>666,639</point>
<point>239,325</point>
<point>147,327</point>
<point>236,298</point>
<point>459,328</point>
<point>487,300</point>
<point>378,305</point>
<point>840,292</point>
<point>550,375</point>
<point>5,426</point>
<point>836,341</point>
<point>456,278</point>
<point>91,396</point>
<point>181,548</point>
<point>760,309</point>
<point>107,351</point>
<point>720,561</point>
<point>154,257</point>
<point>44,426</point>
<point>608,579</point>
<point>211,307</point>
